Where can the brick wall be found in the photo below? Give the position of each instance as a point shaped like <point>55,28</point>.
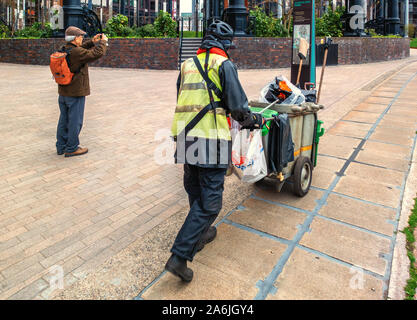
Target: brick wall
<point>266,53</point>
<point>162,54</point>
<point>364,50</point>
<point>261,53</point>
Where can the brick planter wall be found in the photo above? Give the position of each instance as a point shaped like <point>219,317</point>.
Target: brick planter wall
<point>267,53</point>
<point>364,50</point>
<point>261,53</point>
<point>162,54</point>
<point>159,54</point>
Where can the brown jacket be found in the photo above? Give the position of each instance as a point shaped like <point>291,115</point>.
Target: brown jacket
<point>79,58</point>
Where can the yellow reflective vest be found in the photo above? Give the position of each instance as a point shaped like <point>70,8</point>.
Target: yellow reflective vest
<point>208,144</point>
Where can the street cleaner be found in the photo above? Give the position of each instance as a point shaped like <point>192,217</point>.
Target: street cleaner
<point>208,88</point>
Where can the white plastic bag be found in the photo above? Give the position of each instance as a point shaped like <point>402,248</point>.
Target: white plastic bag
<point>234,128</point>
<point>248,156</point>
<point>296,97</point>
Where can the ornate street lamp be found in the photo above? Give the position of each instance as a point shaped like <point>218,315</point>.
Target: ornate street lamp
<point>72,13</point>
<point>81,17</point>
<point>237,16</point>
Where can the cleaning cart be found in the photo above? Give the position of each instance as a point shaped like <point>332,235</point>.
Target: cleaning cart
<point>305,131</point>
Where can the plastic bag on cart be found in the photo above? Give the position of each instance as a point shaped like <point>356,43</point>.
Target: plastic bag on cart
<point>280,143</point>
<point>234,128</point>
<point>248,156</point>
<point>283,90</point>
<point>310,95</point>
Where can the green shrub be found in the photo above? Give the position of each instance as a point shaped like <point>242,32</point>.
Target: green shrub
<point>35,31</point>
<point>118,22</point>
<point>109,32</point>
<point>147,31</point>
<point>330,24</point>
<point>372,32</point>
<point>266,25</point>
<point>409,231</point>
<point>4,31</point>
<point>388,36</point>
<point>165,26</point>
<point>118,26</point>
<point>46,31</point>
<point>279,29</point>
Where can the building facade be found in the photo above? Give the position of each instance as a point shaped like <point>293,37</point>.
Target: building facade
<point>412,12</point>
<point>21,13</point>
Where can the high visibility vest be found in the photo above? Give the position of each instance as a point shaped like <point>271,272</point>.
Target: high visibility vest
<point>193,96</point>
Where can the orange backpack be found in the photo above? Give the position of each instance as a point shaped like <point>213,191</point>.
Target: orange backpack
<point>59,66</point>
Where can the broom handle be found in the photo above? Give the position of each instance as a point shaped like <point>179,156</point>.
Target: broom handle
<point>322,72</point>
<point>299,72</point>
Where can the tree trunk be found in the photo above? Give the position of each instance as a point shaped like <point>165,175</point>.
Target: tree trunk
<point>38,10</point>
<point>12,15</point>
<point>288,15</point>
<point>45,12</point>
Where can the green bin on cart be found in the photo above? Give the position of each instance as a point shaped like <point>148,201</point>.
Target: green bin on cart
<point>306,131</point>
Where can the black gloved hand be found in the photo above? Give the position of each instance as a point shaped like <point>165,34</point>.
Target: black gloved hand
<point>257,122</point>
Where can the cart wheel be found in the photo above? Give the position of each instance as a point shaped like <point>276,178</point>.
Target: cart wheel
<point>302,176</point>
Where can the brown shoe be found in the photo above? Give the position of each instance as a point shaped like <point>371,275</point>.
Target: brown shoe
<point>77,152</point>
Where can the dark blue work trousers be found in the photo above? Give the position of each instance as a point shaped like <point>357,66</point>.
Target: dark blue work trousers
<point>70,123</point>
<point>205,194</point>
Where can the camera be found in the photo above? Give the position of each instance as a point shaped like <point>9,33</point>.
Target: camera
<point>101,38</point>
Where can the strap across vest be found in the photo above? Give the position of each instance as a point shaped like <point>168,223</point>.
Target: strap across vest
<point>210,86</point>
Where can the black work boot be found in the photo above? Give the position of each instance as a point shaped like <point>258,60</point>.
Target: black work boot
<point>178,267</point>
<point>206,238</point>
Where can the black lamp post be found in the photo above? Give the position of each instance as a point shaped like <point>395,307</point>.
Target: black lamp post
<point>237,16</point>
<point>393,19</point>
<point>80,17</point>
<point>73,13</point>
<point>380,17</point>
<point>356,28</point>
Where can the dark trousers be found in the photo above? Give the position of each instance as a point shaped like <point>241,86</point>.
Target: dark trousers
<point>205,194</point>
<point>70,123</point>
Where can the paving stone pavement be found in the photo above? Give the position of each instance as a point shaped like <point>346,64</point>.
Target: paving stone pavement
<point>77,213</point>
<point>335,243</point>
